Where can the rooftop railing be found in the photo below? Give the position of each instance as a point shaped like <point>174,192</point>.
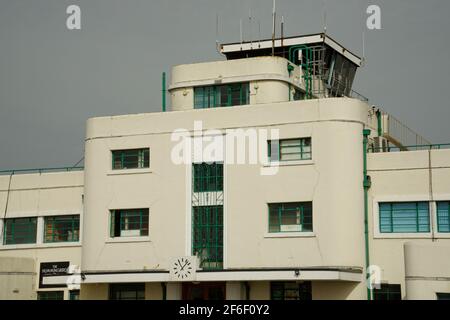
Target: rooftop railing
<point>410,148</point>
<point>40,170</point>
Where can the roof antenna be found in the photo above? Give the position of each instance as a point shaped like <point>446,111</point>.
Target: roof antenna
<point>250,23</point>
<point>363,60</point>
<point>273,28</point>
<point>259,34</point>
<point>282,30</point>
<point>217,34</point>
<point>324,16</point>
<point>240,31</point>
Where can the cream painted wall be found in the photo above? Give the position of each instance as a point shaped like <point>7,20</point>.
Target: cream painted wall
<point>96,291</point>
<point>46,194</point>
<point>405,176</point>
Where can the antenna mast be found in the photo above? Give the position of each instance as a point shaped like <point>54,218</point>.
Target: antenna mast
<point>273,28</point>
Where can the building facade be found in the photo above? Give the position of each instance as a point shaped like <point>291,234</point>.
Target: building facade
<point>269,178</point>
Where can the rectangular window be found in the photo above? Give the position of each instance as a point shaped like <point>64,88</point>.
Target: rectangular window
<point>20,230</point>
<point>127,291</point>
<point>443,296</point>
<point>62,229</point>
<point>443,216</point>
<point>234,94</point>
<point>208,236</point>
<point>208,177</point>
<point>388,292</point>
<point>131,159</point>
<point>290,217</point>
<point>290,291</point>
<point>50,295</point>
<point>289,149</point>
<point>404,217</point>
<point>129,223</point>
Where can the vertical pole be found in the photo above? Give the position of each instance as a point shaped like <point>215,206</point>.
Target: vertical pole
<point>163,92</point>
<point>366,185</point>
<point>273,28</point>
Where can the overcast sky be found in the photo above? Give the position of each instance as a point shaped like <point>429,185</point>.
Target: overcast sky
<point>52,79</point>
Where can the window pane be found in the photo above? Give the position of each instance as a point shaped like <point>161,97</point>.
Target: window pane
<point>61,229</point>
<point>50,295</point>
<point>404,217</point>
<point>290,217</point>
<point>443,216</point>
<point>388,292</point>
<point>290,149</point>
<point>129,223</point>
<point>20,231</point>
<point>290,291</point>
<point>127,291</point>
<point>131,159</point>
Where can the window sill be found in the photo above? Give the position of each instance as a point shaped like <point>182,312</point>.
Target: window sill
<point>288,163</point>
<point>437,235</point>
<point>39,245</point>
<point>118,172</point>
<point>290,235</point>
<point>128,239</point>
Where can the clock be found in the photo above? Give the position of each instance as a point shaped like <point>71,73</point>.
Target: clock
<point>183,269</point>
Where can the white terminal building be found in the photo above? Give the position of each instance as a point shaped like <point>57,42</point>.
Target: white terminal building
<point>268,178</point>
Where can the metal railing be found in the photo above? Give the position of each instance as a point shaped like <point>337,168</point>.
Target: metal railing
<point>410,148</point>
<point>40,170</point>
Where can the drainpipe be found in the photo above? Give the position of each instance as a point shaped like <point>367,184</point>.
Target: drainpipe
<point>366,184</point>
<point>163,92</point>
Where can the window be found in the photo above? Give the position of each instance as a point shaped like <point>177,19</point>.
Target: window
<point>234,94</point>
<point>74,295</point>
<point>50,295</point>
<point>208,236</point>
<point>129,223</point>
<point>208,177</point>
<point>404,217</point>
<point>443,296</point>
<point>127,291</point>
<point>290,291</point>
<point>388,292</point>
<point>131,159</point>
<point>290,217</point>
<point>289,149</point>
<point>61,229</point>
<point>299,95</point>
<point>443,216</point>
<point>20,231</point>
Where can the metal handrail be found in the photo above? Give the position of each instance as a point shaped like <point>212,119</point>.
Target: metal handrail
<point>40,170</point>
<point>420,147</point>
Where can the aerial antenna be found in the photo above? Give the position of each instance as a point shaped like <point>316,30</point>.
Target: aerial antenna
<point>217,34</point>
<point>363,60</point>
<point>250,23</point>
<point>240,31</point>
<point>259,34</point>
<point>324,17</point>
<point>273,27</point>
<point>282,30</point>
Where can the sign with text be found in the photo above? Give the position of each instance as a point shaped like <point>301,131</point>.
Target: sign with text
<point>52,269</point>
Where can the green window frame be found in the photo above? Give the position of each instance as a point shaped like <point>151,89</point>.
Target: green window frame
<point>443,216</point>
<point>50,295</point>
<point>127,291</point>
<point>291,291</point>
<point>62,229</point>
<point>131,159</point>
<point>227,95</point>
<point>129,223</point>
<point>290,217</point>
<point>388,292</point>
<point>404,217</point>
<point>207,229</point>
<point>19,230</point>
<point>208,177</point>
<point>289,149</point>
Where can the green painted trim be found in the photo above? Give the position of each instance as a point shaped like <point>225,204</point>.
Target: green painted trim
<point>366,186</point>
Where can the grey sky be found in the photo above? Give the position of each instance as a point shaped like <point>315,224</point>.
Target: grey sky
<point>53,79</point>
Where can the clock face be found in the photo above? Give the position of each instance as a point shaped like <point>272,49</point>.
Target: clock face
<point>182,268</point>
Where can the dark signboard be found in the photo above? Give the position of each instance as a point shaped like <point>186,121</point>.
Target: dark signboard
<point>52,269</point>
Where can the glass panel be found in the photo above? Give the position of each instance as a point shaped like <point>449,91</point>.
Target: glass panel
<point>50,295</point>
<point>129,223</point>
<point>290,291</point>
<point>388,292</point>
<point>290,217</point>
<point>443,216</point>
<point>128,291</point>
<point>404,217</point>
<point>20,231</point>
<point>131,159</point>
<point>61,229</point>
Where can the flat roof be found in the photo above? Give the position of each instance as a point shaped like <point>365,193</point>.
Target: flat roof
<point>291,41</point>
